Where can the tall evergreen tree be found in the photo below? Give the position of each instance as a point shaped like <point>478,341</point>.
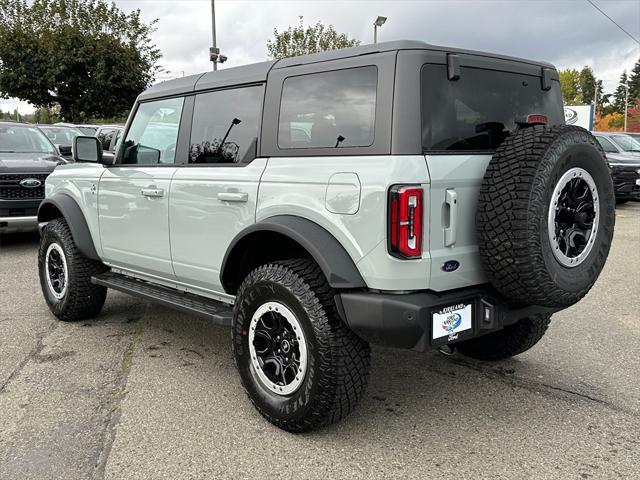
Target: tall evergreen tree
<point>587,85</point>
<point>619,94</point>
<point>634,83</point>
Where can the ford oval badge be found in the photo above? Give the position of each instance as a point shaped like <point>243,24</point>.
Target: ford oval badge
<point>450,266</point>
<point>30,183</point>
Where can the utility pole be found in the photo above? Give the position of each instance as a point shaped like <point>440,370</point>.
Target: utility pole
<point>214,51</point>
<point>595,104</point>
<point>626,103</point>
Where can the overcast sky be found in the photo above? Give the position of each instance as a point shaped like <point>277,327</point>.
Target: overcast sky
<point>567,33</point>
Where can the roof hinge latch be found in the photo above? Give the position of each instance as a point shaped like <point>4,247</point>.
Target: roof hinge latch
<point>546,79</point>
<point>453,66</point>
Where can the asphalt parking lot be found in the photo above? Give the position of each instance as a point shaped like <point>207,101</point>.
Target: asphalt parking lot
<point>147,393</point>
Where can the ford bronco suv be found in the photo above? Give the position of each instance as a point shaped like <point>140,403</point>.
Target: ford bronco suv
<point>397,194</point>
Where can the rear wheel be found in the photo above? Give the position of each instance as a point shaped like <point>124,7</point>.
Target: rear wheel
<point>300,365</point>
<point>512,340</point>
<point>65,275</point>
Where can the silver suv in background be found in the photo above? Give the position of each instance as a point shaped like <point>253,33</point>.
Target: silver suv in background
<point>399,194</point>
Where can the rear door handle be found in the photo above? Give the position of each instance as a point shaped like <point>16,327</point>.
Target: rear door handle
<point>451,199</point>
<point>152,192</point>
<point>233,196</point>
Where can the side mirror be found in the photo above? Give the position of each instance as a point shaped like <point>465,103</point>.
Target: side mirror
<point>64,150</point>
<point>87,149</point>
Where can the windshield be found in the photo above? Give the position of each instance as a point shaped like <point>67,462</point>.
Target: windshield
<point>24,139</point>
<point>61,135</point>
<point>476,112</point>
<point>627,143</point>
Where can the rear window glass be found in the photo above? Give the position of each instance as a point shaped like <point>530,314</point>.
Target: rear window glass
<point>329,110</point>
<point>476,112</point>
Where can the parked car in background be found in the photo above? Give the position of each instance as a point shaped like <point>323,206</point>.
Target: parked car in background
<point>624,166</point>
<point>62,137</point>
<point>622,142</point>
<point>109,135</point>
<point>85,128</point>
<point>27,157</point>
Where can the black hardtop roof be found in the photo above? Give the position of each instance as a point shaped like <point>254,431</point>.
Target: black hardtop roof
<point>257,72</point>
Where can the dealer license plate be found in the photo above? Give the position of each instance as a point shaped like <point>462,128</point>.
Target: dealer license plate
<point>450,321</point>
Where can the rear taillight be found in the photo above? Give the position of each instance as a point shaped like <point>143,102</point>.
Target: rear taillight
<point>536,119</point>
<point>405,221</point>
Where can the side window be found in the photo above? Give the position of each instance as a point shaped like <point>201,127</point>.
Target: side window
<point>333,109</point>
<point>606,145</point>
<point>225,125</point>
<point>153,134</point>
<point>105,135</point>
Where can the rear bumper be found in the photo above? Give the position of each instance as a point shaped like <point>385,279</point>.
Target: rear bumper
<point>405,320</point>
<point>18,224</point>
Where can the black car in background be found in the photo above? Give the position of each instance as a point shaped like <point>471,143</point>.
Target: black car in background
<point>624,166</point>
<point>27,157</point>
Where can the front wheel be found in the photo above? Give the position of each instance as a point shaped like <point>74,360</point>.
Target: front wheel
<point>65,275</point>
<point>299,363</point>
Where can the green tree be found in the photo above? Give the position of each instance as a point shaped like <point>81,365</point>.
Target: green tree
<point>634,83</point>
<point>619,94</point>
<point>587,85</point>
<point>570,86</point>
<point>312,39</point>
<point>86,56</point>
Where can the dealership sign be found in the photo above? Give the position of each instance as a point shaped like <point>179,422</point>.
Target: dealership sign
<point>580,115</point>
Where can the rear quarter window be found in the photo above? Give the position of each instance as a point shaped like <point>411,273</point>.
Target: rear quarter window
<point>476,112</point>
<point>334,109</point>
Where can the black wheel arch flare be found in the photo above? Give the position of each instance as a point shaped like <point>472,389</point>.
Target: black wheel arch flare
<point>63,205</point>
<point>337,266</point>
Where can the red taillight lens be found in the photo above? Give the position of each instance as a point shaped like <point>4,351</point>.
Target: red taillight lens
<point>405,221</point>
<point>537,119</point>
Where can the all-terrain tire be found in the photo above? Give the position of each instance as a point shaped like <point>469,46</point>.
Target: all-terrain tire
<point>512,340</point>
<point>80,299</point>
<point>513,215</point>
<point>338,360</point>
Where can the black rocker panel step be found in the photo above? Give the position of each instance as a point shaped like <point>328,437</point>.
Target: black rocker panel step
<point>218,312</point>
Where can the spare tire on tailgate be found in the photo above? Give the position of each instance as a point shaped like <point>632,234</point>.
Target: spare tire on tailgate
<point>545,215</point>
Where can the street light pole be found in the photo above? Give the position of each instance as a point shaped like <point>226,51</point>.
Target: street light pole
<point>213,31</point>
<point>626,103</point>
<point>378,23</point>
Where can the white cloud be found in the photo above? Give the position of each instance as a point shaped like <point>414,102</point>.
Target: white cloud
<point>568,33</point>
